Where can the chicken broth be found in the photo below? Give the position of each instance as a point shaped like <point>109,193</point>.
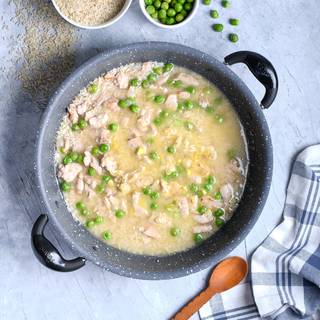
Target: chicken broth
<point>151,158</point>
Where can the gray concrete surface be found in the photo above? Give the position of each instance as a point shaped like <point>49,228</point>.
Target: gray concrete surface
<point>286,32</point>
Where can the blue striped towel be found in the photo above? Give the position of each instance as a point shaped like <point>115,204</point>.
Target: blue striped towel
<point>285,270</point>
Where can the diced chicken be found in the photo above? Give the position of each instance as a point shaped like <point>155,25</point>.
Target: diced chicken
<point>90,114</point>
<point>90,193</point>
<point>109,163</point>
<point>87,158</point>
<point>125,188</point>
<point>193,203</point>
<point>134,143</point>
<point>80,184</point>
<point>204,218</point>
<point>154,130</point>
<point>111,104</point>
<point>202,228</point>
<point>140,212</point>
<point>98,121</point>
<point>172,102</point>
<point>94,163</point>
<point>107,203</point>
<point>70,171</point>
<point>146,68</point>
<point>187,79</point>
<point>131,91</point>
<point>145,119</point>
<point>150,231</point>
<point>163,79</point>
<point>164,186</point>
<point>183,206</point>
<point>210,202</point>
<point>104,136</point>
<point>122,80</point>
<point>163,219</point>
<point>82,108</point>
<point>73,114</point>
<point>196,179</point>
<point>114,201</point>
<point>227,192</point>
<point>184,95</point>
<point>66,144</point>
<point>203,101</point>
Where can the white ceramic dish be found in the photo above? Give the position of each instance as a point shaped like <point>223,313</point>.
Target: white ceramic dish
<point>165,26</point>
<point>100,26</point>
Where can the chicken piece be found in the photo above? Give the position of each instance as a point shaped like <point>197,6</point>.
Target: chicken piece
<point>80,184</point>
<point>203,101</point>
<point>184,95</point>
<point>134,143</point>
<point>73,114</point>
<point>99,120</point>
<point>187,79</point>
<point>164,186</point>
<point>131,91</point>
<point>104,136</point>
<point>154,130</point>
<point>109,163</point>
<point>122,80</point>
<point>172,102</point>
<point>193,205</point>
<point>227,192</point>
<point>210,202</point>
<point>82,108</point>
<point>140,212</point>
<point>69,172</point>
<point>202,228</point>
<point>163,219</point>
<point>94,163</point>
<point>145,119</point>
<point>146,68</point>
<point>125,188</point>
<point>204,218</point>
<point>111,104</point>
<point>196,179</point>
<point>163,79</point>
<point>90,113</point>
<point>66,144</point>
<point>87,158</point>
<point>183,206</point>
<point>90,193</point>
<point>150,231</point>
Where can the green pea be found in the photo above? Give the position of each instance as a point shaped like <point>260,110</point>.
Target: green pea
<point>218,212</point>
<point>179,17</point>
<point>211,180</point>
<point>113,127</point>
<point>147,191</point>
<point>91,171</point>
<point>153,155</point>
<point>194,188</point>
<point>80,205</point>
<point>163,114</point>
<point>190,89</point>
<point>181,1</point>
<point>165,6</point>
<point>158,70</point>
<point>168,67</point>
<point>106,178</point>
<point>188,125</point>
<point>177,84</point>
<point>173,3</point>
<point>100,188</point>
<point>214,14</point>
<point>95,151</point>
<point>93,88</point>
<point>154,195</point>
<point>73,156</point>
<point>207,2</point>
<point>217,195</point>
<point>106,235</point>
<point>134,108</point>
<point>151,9</point>
<point>148,2</point>
<point>84,212</point>
<point>82,124</point>
<point>174,175</point>
<point>198,238</point>
<point>153,206</point>
<point>210,109</point>
<point>219,118</point>
<point>233,37</point>
<point>202,209</point>
<point>188,105</point>
<point>150,140</point>
<point>98,219</point>
<point>157,4</point>
<point>159,99</point>
<point>171,149</point>
<point>134,82</point>
<point>225,3</point>
<point>103,148</point>
<point>157,121</point>
<point>124,103</point>
<point>178,7</point>
<point>191,1</point>
<point>219,222</point>
<point>170,20</point>
<point>75,127</point>
<point>180,106</point>
<point>184,13</point>
<point>65,186</point>
<point>218,27</point>
<point>162,14</point>
<point>180,168</point>
<point>208,187</point>
<point>145,84</point>
<point>67,159</point>
<point>90,223</point>
<point>188,6</point>
<point>152,77</point>
<point>234,22</point>
<point>175,231</point>
<point>155,15</point>
<point>119,213</point>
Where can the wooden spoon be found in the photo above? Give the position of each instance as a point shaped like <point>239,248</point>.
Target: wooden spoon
<point>227,274</point>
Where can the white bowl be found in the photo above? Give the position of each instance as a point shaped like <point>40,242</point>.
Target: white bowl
<point>172,26</point>
<point>100,26</point>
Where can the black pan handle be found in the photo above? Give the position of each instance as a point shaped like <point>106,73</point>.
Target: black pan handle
<point>262,69</point>
<point>47,253</point>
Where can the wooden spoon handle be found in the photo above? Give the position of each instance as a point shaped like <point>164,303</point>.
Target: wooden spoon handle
<point>194,305</point>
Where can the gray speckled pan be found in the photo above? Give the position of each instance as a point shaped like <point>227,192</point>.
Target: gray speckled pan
<point>218,245</point>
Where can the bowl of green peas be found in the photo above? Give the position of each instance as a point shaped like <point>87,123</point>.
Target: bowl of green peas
<point>169,14</point>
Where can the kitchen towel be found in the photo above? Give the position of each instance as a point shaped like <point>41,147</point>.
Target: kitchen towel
<point>285,269</point>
